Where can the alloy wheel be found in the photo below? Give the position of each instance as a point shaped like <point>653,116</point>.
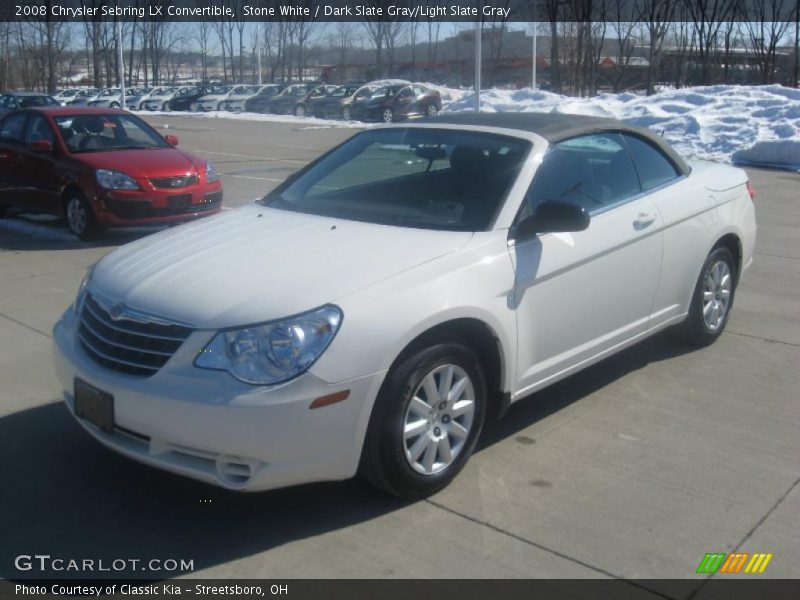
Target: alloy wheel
<point>76,216</point>
<point>388,115</point>
<point>716,294</point>
<point>300,111</point>
<point>438,419</point>
<point>432,110</point>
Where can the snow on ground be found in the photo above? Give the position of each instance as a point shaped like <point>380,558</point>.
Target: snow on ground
<point>756,125</point>
<point>312,122</point>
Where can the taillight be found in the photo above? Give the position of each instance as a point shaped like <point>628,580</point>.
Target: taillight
<point>751,190</point>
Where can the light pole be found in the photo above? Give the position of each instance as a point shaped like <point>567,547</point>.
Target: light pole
<point>121,65</point>
<point>478,66</point>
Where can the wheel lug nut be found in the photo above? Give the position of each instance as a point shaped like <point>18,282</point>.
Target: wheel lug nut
<point>446,419</point>
<point>442,405</point>
<point>437,431</point>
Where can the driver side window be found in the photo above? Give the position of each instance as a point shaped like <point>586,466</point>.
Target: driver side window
<point>593,171</point>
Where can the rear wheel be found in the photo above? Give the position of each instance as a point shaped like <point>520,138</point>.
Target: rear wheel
<point>299,110</point>
<point>426,420</point>
<point>388,115</point>
<point>346,113</point>
<point>431,111</point>
<point>81,220</point>
<point>712,299</point>
<point>114,105</point>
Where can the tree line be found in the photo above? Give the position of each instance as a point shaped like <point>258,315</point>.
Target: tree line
<point>682,42</point>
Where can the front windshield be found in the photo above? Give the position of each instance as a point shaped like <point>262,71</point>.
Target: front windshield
<point>412,177</point>
<point>31,101</point>
<point>99,133</point>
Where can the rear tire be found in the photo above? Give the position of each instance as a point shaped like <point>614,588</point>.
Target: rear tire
<point>388,115</point>
<point>712,299</point>
<point>81,219</point>
<point>419,440</point>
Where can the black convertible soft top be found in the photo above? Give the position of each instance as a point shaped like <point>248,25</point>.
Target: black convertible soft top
<point>556,127</point>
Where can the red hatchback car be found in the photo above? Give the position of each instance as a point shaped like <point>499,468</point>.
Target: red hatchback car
<point>101,168</point>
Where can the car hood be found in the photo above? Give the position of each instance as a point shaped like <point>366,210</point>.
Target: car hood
<point>145,163</point>
<point>256,264</point>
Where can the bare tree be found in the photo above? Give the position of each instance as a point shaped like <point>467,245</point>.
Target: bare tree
<point>707,18</point>
<point>766,27</point>
<point>656,16</point>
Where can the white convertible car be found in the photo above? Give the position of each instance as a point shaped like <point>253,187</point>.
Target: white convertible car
<point>373,310</point>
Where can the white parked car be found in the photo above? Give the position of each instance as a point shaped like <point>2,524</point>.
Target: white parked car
<point>136,101</point>
<point>85,96</point>
<point>213,101</point>
<point>160,101</point>
<point>112,98</point>
<point>369,313</point>
<point>236,100</point>
<point>108,98</point>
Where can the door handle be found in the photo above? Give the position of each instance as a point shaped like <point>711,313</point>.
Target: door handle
<point>643,220</point>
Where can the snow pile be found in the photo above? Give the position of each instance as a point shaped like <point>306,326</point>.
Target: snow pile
<point>757,125</point>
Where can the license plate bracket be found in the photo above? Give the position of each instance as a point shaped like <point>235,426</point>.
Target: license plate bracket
<point>94,405</point>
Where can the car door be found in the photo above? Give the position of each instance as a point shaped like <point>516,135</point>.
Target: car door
<point>688,222</point>
<point>12,188</point>
<point>579,295</point>
<point>39,170</point>
<point>403,102</point>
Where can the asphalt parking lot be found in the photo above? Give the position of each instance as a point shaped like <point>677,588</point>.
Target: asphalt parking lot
<point>634,468</point>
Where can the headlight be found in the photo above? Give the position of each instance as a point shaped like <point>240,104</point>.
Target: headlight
<point>274,352</point>
<point>211,173</point>
<point>114,180</point>
<point>82,290</point>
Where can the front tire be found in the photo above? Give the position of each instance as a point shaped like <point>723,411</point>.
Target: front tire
<point>431,111</point>
<point>299,111</point>
<point>388,115</point>
<point>346,113</point>
<point>712,299</point>
<point>81,220</point>
<point>426,420</point>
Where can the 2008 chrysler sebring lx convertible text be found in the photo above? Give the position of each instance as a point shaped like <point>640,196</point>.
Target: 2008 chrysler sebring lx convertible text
<point>374,309</point>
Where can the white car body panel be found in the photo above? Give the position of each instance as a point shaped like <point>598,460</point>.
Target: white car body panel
<point>552,303</point>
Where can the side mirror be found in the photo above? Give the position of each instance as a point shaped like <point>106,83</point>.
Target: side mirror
<point>172,140</point>
<point>552,216</point>
<point>42,146</point>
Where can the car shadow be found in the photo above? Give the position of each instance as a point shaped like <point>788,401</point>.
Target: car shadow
<point>67,496</point>
<point>20,232</point>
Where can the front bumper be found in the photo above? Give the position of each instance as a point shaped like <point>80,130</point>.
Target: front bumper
<point>151,205</point>
<point>208,426</point>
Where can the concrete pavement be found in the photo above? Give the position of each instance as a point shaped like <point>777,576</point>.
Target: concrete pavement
<point>634,468</point>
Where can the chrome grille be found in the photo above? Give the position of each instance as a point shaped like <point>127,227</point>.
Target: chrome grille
<point>173,183</point>
<point>137,347</point>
